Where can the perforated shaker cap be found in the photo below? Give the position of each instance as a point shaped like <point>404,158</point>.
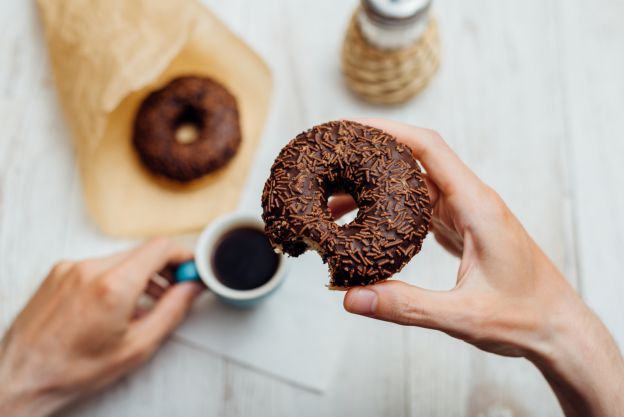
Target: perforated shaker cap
<point>392,24</point>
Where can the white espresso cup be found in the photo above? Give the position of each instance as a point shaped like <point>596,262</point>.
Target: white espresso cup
<point>202,267</point>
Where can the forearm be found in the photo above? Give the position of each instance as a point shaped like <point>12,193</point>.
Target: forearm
<point>583,365</point>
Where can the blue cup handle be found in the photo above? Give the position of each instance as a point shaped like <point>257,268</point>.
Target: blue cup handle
<point>187,271</point>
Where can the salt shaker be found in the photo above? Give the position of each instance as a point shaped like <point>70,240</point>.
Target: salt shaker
<point>391,50</point>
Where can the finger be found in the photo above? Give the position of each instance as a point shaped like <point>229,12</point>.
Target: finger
<point>434,192</point>
<point>89,268</point>
<point>106,262</point>
<point>340,205</point>
<point>154,289</point>
<point>94,267</point>
<point>137,269</point>
<point>451,246</point>
<point>447,237</point>
<point>444,167</point>
<point>148,332</point>
<point>402,303</point>
<point>55,276</point>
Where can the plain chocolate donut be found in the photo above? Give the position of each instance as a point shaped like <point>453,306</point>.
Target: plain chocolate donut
<point>197,101</point>
<point>380,174</point>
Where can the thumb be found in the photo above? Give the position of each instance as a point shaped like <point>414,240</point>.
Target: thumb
<point>168,312</point>
<point>401,303</point>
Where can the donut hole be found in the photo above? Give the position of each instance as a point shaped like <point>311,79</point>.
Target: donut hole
<point>345,207</point>
<point>187,126</point>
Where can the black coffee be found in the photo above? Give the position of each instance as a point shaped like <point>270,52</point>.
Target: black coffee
<point>243,259</point>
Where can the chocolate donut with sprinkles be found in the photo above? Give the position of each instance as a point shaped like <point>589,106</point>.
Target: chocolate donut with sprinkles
<point>384,179</point>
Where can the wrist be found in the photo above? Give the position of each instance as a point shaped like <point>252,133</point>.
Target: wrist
<point>580,359</point>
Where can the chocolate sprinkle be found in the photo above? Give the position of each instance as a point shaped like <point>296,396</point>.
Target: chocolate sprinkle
<point>379,173</point>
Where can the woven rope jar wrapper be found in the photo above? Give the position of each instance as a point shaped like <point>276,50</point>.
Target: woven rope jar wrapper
<point>389,76</point>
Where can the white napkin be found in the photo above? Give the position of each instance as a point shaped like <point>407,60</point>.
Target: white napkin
<point>298,334</point>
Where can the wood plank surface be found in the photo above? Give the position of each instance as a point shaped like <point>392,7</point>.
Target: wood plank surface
<point>592,68</point>
<point>529,93</point>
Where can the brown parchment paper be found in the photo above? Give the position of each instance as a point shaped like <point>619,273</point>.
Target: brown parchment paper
<point>107,55</point>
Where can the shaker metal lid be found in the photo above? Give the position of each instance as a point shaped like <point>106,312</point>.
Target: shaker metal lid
<point>395,12</point>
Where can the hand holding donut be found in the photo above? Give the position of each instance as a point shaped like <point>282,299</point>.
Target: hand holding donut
<point>509,298</point>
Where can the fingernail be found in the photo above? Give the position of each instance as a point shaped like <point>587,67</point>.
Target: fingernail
<point>361,301</point>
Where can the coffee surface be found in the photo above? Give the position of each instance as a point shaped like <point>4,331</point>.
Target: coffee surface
<point>243,259</point>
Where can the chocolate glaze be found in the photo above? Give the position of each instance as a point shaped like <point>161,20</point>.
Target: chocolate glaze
<point>385,181</point>
<point>201,102</point>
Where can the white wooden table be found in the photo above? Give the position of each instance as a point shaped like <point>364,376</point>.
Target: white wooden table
<point>531,95</point>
